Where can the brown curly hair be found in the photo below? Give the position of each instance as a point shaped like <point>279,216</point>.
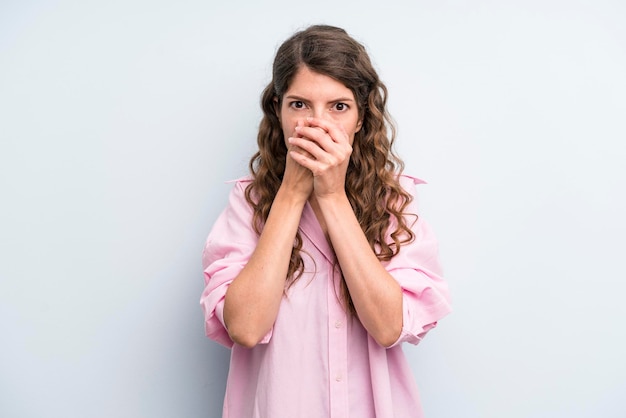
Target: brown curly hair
<point>372,183</point>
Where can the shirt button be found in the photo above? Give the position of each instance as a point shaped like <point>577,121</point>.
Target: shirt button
<point>338,324</point>
<point>338,378</point>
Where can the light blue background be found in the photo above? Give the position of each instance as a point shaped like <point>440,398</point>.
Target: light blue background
<point>121,120</point>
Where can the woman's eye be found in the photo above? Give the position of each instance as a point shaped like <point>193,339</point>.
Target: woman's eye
<point>297,104</point>
<point>341,107</point>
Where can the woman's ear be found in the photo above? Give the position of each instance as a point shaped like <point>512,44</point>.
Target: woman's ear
<point>276,107</point>
<point>359,124</point>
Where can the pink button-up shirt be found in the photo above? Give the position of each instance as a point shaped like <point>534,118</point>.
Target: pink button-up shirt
<point>317,360</point>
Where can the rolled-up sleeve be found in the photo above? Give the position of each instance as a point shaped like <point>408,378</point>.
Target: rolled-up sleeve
<point>425,294</point>
<point>227,250</point>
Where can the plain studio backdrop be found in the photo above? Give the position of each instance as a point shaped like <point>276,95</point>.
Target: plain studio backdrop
<point>120,122</point>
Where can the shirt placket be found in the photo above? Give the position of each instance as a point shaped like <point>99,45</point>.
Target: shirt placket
<point>337,348</point>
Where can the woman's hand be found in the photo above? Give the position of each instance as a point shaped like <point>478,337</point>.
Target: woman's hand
<point>377,297</point>
<point>297,179</point>
<point>323,148</point>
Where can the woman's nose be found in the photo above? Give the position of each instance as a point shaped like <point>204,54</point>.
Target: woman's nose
<point>320,113</point>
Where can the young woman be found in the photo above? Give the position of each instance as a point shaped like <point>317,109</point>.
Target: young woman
<point>319,267</point>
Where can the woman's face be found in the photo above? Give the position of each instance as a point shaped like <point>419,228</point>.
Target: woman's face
<point>316,95</point>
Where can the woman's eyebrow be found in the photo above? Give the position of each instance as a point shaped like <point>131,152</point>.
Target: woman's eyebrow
<point>303,99</point>
<point>296,97</point>
<point>343,99</point>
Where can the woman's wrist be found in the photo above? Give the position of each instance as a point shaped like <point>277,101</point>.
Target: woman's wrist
<point>291,196</point>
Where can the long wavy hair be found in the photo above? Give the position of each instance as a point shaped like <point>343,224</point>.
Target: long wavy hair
<point>372,183</point>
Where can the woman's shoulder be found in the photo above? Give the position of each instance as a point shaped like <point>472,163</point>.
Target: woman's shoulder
<point>239,185</point>
<point>244,180</point>
<point>408,182</point>
<point>237,194</point>
<point>407,178</point>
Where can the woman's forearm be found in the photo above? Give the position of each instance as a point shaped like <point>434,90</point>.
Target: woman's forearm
<point>253,298</point>
<point>376,295</point>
